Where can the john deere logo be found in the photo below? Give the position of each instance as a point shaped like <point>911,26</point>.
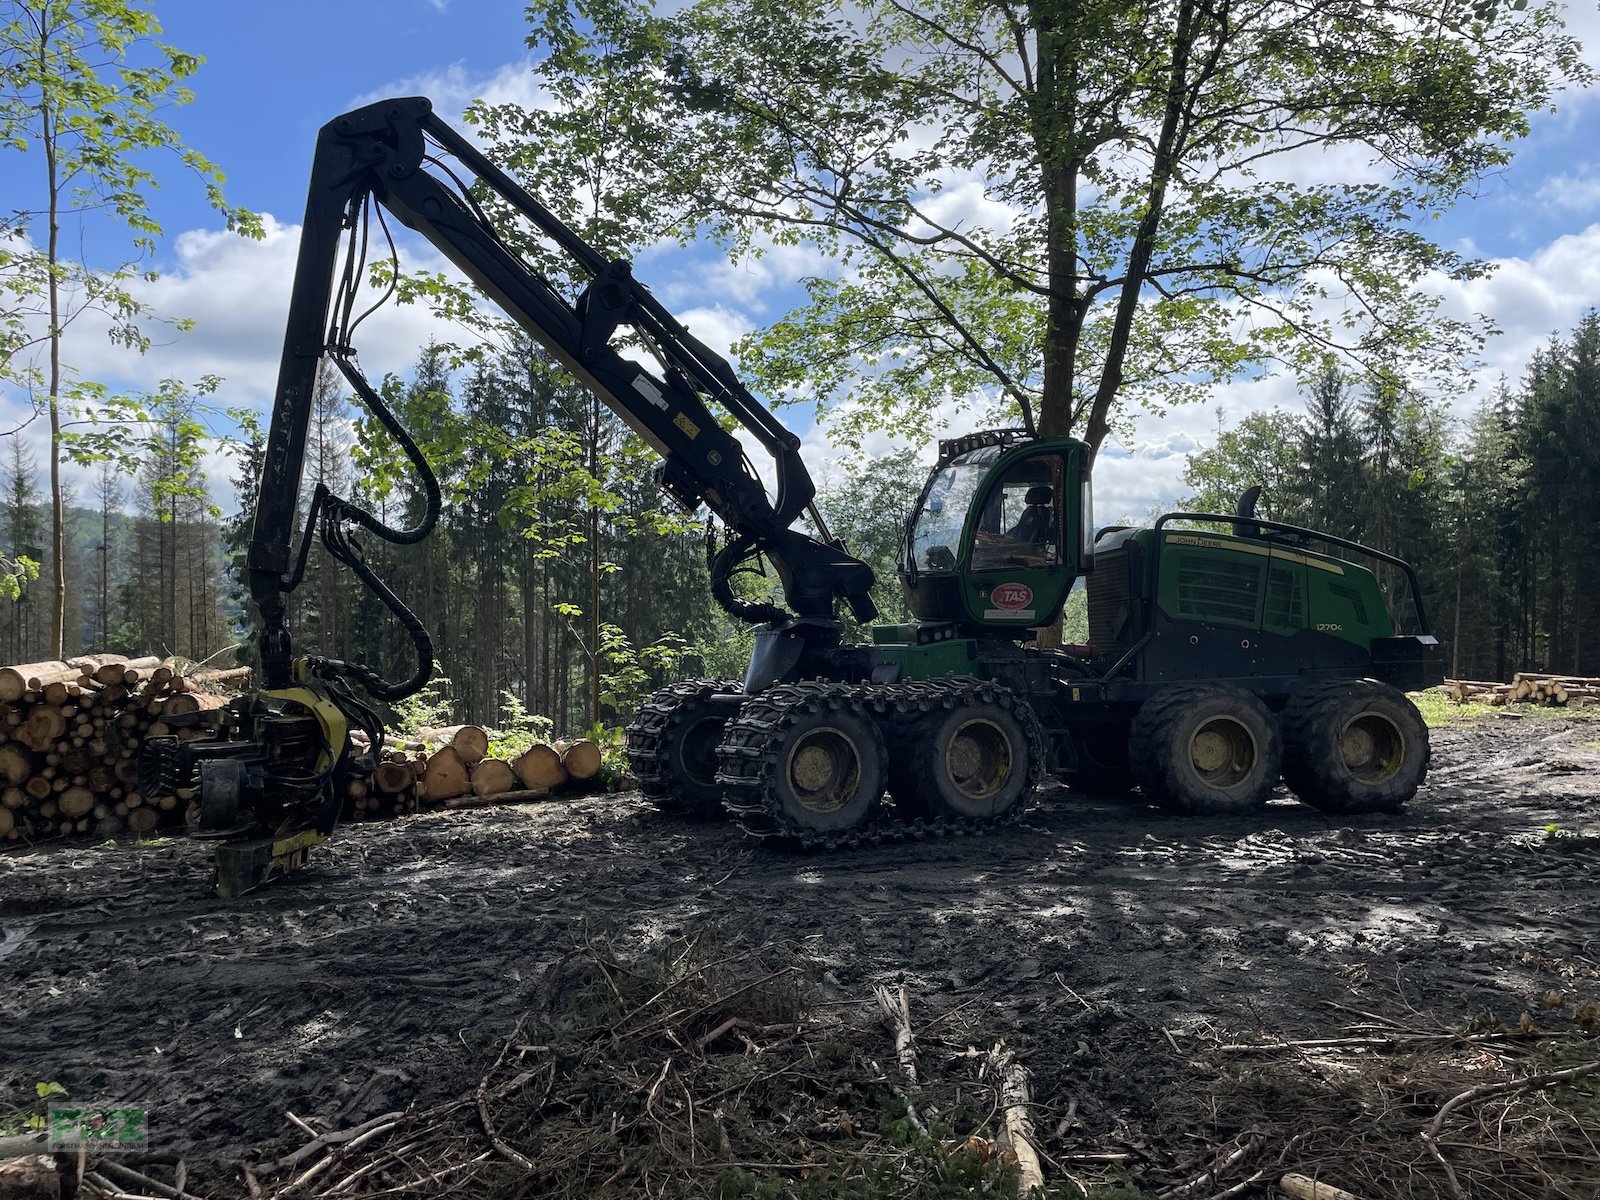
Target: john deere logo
<point>1012,595</point>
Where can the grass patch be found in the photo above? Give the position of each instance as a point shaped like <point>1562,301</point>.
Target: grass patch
<point>1442,713</point>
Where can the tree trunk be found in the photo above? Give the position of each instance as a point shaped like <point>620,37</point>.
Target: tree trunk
<point>58,544</point>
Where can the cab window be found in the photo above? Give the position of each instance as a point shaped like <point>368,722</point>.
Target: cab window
<point>1019,524</point>
<point>936,533</point>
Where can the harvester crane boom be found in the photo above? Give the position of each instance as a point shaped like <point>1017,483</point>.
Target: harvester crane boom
<point>395,155</point>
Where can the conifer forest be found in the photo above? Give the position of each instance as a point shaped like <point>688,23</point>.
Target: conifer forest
<point>565,585</point>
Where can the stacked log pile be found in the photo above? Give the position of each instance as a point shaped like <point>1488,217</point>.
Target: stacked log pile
<point>70,734</point>
<point>1527,687</point>
<point>69,742</point>
<point>459,773</point>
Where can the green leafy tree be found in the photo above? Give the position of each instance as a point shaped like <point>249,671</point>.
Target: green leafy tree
<point>1051,204</point>
<point>866,506</point>
<point>1331,454</point>
<point>82,87</point>
<point>1262,450</point>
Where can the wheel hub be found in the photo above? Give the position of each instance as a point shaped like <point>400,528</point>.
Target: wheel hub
<point>978,759</point>
<point>1223,751</point>
<point>1372,747</point>
<point>824,768</point>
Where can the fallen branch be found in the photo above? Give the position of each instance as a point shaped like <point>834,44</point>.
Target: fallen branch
<point>1400,1039</point>
<point>895,1008</point>
<point>128,1178</point>
<point>1303,1187</point>
<point>1016,1132</point>
<point>510,1153</point>
<point>517,797</point>
<point>1430,1136</point>
<point>1220,1162</point>
<point>337,1138</point>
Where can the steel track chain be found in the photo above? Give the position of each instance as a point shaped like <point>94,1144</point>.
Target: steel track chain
<point>747,758</point>
<point>647,731</point>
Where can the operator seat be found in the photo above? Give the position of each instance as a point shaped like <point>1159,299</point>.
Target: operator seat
<point>1037,524</point>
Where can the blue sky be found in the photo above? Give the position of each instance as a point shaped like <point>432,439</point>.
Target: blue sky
<point>273,76</point>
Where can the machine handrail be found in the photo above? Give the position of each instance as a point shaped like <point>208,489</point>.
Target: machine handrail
<point>1300,531</point>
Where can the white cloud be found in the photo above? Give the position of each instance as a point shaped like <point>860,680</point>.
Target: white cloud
<point>453,88</point>
<point>1578,191</point>
<point>716,326</point>
<point>237,292</point>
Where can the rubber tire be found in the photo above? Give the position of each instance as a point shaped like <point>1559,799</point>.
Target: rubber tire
<point>1096,775</point>
<point>837,724</point>
<point>1160,740</point>
<point>686,752</point>
<point>1012,732</point>
<point>1315,766</point>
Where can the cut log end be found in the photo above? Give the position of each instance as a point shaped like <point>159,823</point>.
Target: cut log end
<point>539,766</point>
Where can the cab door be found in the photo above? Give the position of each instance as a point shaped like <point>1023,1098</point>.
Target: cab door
<point>1021,561</point>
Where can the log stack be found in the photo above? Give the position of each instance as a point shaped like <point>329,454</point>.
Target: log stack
<point>1526,687</point>
<point>459,773</point>
<point>70,733</point>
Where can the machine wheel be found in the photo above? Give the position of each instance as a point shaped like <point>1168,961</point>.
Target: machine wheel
<point>808,758</point>
<point>1103,768</point>
<point>980,759</point>
<point>1206,748</point>
<point>672,745</point>
<point>1354,746</point>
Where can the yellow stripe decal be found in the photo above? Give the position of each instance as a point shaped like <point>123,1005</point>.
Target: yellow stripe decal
<point>1211,543</point>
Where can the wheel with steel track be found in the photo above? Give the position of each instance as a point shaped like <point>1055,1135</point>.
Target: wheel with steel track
<point>672,745</point>
<point>1354,746</point>
<point>980,759</point>
<point>1206,748</point>
<point>804,760</point>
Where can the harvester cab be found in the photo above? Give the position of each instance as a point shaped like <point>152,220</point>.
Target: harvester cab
<point>1000,532</point>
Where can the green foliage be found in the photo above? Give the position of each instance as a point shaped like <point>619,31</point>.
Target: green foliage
<point>15,575</point>
<point>432,706</point>
<point>83,87</point>
<point>1264,448</point>
<point>518,728</point>
<point>628,675</point>
<point>1002,218</point>
<point>865,502</point>
<point>167,427</point>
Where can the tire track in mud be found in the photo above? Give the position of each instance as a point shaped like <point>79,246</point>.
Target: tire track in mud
<point>371,980</point>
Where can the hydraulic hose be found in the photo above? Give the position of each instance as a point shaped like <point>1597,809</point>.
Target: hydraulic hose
<point>722,565</point>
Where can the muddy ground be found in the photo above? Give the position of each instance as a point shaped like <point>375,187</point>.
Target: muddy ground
<point>1117,948</point>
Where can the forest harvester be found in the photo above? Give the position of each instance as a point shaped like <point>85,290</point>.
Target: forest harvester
<point>1227,651</point>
